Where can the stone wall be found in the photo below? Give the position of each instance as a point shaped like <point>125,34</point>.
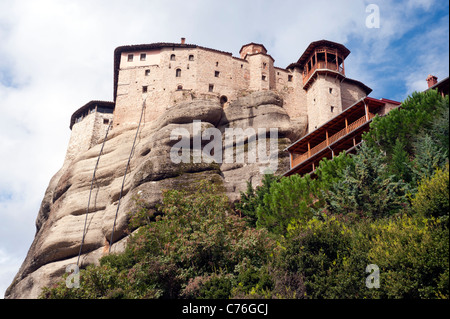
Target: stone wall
<point>350,94</point>
<point>88,132</point>
<point>323,100</point>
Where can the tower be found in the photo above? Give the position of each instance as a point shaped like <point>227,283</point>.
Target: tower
<point>262,75</point>
<point>88,124</point>
<point>322,66</point>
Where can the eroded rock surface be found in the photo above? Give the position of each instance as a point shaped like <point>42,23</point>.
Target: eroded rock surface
<point>62,215</point>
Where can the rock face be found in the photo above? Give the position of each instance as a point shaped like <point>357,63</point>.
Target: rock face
<point>62,215</point>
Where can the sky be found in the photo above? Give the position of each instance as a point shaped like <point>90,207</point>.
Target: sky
<point>57,55</point>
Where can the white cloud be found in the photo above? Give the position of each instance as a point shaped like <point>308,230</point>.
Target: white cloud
<point>55,56</point>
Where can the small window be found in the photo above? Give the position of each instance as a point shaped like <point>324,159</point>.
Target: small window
<point>242,66</point>
<point>105,121</point>
<point>263,77</point>
<point>147,72</point>
<point>216,74</point>
<point>179,87</point>
<point>178,73</point>
<point>191,57</point>
<point>130,57</point>
<point>143,56</point>
<point>217,63</point>
<point>289,78</point>
<point>144,89</point>
<point>330,90</point>
<point>211,88</point>
<point>264,65</point>
<point>332,109</point>
<point>172,57</point>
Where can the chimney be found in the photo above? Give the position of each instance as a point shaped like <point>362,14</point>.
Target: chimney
<point>183,40</point>
<point>431,80</point>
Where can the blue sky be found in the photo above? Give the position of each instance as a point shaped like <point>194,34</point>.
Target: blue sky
<point>56,55</point>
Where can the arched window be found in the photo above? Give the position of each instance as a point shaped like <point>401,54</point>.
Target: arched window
<point>179,87</point>
<point>172,57</point>
<point>178,73</point>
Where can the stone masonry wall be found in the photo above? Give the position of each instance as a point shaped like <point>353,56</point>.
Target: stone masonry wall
<point>323,100</point>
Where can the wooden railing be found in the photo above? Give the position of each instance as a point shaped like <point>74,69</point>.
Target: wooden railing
<point>299,158</point>
<point>322,65</point>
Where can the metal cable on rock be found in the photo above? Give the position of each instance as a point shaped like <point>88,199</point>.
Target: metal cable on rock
<point>125,175</point>
<point>90,192</point>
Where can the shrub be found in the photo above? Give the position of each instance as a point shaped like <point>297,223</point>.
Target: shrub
<point>432,198</point>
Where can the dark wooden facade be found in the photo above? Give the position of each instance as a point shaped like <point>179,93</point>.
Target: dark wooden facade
<point>342,133</point>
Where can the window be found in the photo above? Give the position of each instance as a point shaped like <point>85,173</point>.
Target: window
<point>147,72</point>
<point>105,121</point>
<point>332,109</point>
<point>178,73</point>
<point>263,77</point>
<point>289,78</point>
<point>144,89</point>
<point>191,58</point>
<point>330,90</point>
<point>211,88</point>
<point>130,57</point>
<point>264,65</point>
<point>143,56</point>
<point>217,63</point>
<point>179,87</point>
<point>216,74</point>
<point>172,57</point>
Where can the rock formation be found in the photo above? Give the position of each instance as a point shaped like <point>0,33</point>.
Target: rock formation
<point>61,218</point>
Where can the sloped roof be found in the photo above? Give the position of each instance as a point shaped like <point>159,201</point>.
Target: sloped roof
<point>87,106</point>
<point>330,44</point>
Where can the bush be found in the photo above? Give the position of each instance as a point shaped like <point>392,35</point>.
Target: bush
<point>432,198</point>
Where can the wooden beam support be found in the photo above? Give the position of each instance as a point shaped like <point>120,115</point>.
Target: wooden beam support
<point>326,134</point>
<point>366,111</point>
<point>346,125</point>
<point>337,61</point>
<point>309,150</point>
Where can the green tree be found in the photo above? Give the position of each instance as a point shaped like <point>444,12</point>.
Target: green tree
<point>366,188</point>
<point>432,197</point>
<point>416,113</point>
<point>254,197</point>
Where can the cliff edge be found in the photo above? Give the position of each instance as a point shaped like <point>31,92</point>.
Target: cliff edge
<point>61,219</point>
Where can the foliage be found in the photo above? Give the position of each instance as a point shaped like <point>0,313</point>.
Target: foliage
<point>432,198</point>
<point>298,197</point>
<point>303,236</point>
<point>415,114</point>
<point>332,255</point>
<point>252,198</point>
<point>366,188</point>
<point>413,258</point>
<point>195,235</point>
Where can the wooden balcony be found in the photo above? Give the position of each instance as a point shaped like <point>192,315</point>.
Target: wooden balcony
<point>300,158</point>
<point>321,65</point>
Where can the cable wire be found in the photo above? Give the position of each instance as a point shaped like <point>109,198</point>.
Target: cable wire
<point>125,176</point>
<point>90,192</point>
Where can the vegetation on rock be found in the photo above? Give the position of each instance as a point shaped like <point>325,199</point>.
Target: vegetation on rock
<point>301,237</point>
